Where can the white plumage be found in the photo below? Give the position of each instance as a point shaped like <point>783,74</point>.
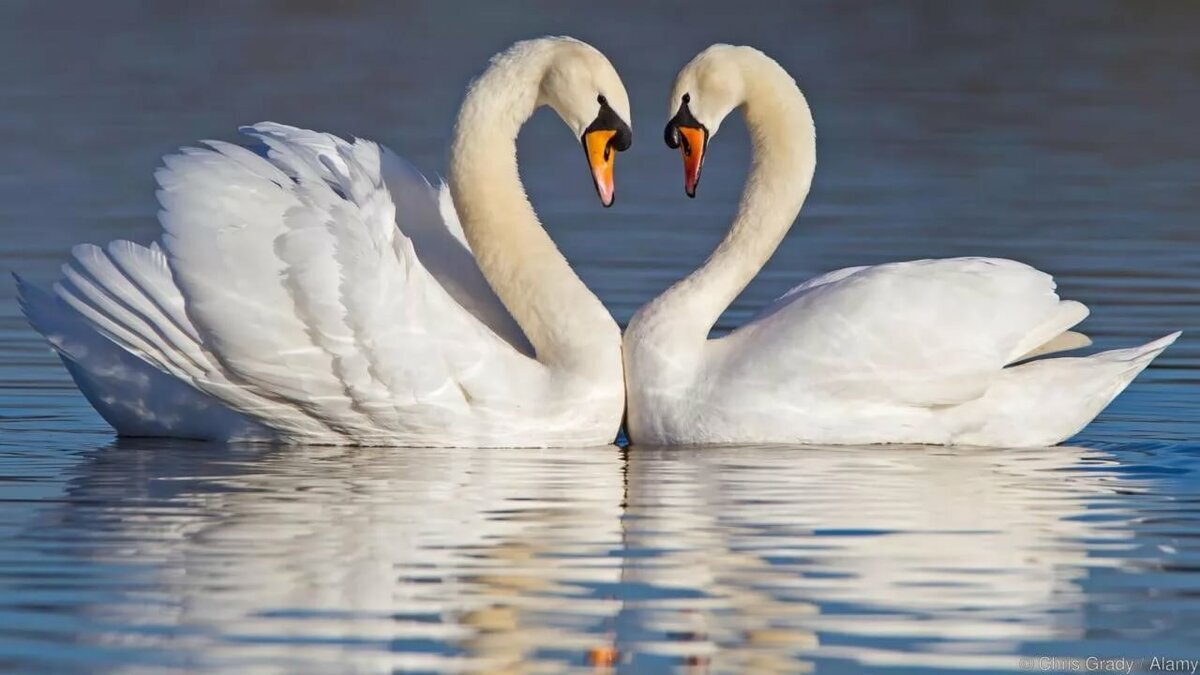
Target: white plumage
<point>324,292</point>
<point>925,351</point>
<point>306,307</point>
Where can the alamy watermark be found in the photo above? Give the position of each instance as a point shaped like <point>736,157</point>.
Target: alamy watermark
<point>1099,664</point>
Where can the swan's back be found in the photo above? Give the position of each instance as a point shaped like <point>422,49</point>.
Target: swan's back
<point>925,332</point>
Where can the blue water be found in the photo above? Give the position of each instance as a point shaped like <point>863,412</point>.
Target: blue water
<point>1061,134</point>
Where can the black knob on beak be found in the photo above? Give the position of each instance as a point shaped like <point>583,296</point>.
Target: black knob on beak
<point>671,134</point>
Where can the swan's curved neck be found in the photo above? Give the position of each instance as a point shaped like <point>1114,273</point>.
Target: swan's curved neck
<point>564,321</point>
<point>784,159</point>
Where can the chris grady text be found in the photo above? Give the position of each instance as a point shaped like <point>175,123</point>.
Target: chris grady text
<point>1096,664</point>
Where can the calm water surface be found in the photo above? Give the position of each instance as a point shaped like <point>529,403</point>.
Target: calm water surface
<point>1062,134</point>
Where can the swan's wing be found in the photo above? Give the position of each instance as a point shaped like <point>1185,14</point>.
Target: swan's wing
<point>425,215</point>
<point>927,332</point>
<point>299,283</point>
<point>117,371</point>
<point>124,295</point>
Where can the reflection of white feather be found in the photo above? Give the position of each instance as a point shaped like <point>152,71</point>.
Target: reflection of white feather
<point>492,551</point>
<point>981,545</point>
<point>737,556</point>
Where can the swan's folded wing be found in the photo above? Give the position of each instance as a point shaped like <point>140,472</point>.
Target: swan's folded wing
<point>926,332</point>
<point>298,281</point>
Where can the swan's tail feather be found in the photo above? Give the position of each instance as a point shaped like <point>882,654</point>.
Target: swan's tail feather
<point>1045,402</point>
<point>1142,355</point>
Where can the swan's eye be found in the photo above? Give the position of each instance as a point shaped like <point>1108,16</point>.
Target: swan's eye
<point>687,98</point>
<point>601,100</point>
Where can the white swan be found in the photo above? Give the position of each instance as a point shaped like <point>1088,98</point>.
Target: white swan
<point>910,352</point>
<point>326,292</point>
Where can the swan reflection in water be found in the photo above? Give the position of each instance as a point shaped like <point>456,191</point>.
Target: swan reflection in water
<point>718,559</point>
<point>955,555</point>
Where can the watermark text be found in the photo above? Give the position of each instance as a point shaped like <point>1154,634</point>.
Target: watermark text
<point>1101,664</point>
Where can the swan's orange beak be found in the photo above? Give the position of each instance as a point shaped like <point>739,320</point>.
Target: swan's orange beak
<point>601,157</point>
<point>692,144</point>
<point>686,132</point>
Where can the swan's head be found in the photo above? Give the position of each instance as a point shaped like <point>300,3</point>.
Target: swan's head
<point>705,92</point>
<point>584,89</point>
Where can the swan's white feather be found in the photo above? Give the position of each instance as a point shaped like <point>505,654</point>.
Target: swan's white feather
<point>1065,342</point>
<point>925,332</point>
<point>1045,401</point>
<point>920,351</point>
<point>130,393</point>
<point>323,292</point>
<point>907,352</point>
<point>118,295</point>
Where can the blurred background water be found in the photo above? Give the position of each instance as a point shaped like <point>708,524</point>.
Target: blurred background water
<point>1062,134</point>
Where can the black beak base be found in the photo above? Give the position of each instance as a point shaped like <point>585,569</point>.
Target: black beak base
<point>675,138</point>
<point>683,118</point>
<point>609,120</point>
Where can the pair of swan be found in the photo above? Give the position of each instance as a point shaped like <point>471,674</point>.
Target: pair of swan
<point>323,291</point>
